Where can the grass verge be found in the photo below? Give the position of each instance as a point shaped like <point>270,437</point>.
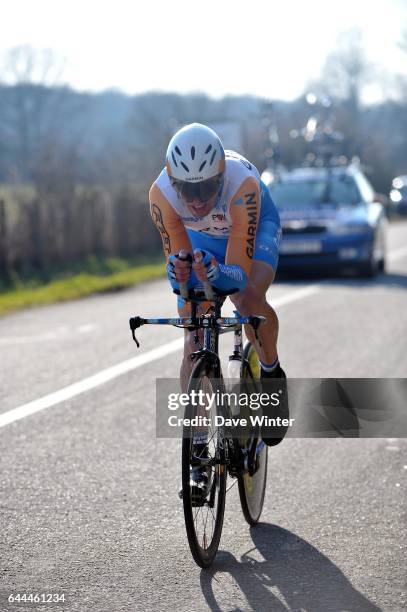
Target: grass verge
<point>113,277</point>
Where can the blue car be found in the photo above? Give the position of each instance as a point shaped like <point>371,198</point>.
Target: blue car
<point>330,220</point>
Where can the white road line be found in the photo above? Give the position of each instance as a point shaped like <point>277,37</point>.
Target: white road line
<point>122,368</point>
<point>90,383</point>
<point>397,254</point>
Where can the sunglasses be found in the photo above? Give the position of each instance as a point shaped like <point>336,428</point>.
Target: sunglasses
<point>202,191</point>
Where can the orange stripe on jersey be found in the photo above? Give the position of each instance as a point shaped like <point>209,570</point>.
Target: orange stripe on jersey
<point>168,223</point>
<point>244,211</point>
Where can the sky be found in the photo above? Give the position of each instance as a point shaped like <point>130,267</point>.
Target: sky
<point>260,47</point>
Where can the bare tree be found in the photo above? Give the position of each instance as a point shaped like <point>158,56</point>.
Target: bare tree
<point>25,65</point>
<point>344,75</point>
<point>29,97</point>
<point>402,79</point>
<point>346,69</point>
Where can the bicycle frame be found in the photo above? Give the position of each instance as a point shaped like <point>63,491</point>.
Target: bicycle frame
<point>213,325</point>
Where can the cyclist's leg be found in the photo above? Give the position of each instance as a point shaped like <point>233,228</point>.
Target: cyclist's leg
<point>253,299</point>
<point>184,310</point>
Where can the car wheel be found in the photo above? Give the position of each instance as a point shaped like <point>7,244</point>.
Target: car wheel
<point>370,269</point>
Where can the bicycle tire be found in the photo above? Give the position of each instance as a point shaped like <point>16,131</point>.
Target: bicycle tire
<point>252,489</point>
<point>203,551</point>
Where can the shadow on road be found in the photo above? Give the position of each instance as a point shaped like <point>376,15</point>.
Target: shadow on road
<point>292,575</point>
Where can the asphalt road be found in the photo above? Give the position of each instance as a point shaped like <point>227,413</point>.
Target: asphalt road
<point>89,502</point>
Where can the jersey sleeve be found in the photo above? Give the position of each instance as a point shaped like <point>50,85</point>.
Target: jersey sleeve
<point>244,211</point>
<point>168,223</point>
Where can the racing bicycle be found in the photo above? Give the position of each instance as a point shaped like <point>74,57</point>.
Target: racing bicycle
<point>217,451</point>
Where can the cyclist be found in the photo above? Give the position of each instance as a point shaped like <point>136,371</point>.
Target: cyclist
<point>212,203</point>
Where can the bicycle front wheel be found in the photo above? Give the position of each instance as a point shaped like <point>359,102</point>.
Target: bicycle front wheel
<point>252,488</point>
<point>203,473</point>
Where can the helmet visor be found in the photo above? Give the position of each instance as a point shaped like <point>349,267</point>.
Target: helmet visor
<point>202,191</point>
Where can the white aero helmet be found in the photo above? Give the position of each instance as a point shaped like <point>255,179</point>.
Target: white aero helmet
<point>195,154</point>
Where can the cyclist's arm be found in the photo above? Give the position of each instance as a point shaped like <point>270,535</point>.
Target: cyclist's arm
<point>168,223</point>
<point>244,210</point>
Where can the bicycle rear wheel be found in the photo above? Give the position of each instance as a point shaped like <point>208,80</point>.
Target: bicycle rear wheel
<point>203,514</point>
<point>252,488</point>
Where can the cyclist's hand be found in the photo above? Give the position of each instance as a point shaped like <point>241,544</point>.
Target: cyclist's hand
<point>205,266</point>
<point>179,267</point>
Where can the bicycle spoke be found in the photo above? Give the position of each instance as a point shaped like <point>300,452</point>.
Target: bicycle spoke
<point>231,486</point>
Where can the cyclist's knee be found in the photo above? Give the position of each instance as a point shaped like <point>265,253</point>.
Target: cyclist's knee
<point>249,300</point>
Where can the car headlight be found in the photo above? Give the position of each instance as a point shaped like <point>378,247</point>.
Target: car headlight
<point>395,196</point>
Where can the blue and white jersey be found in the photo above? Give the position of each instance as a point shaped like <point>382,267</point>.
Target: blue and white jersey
<point>219,221</point>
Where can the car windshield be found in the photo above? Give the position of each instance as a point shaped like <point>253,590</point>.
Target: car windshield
<point>309,191</point>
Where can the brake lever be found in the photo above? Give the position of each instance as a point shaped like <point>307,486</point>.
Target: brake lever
<point>135,323</point>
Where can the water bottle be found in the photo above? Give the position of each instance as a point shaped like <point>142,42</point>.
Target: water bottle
<point>234,366</point>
